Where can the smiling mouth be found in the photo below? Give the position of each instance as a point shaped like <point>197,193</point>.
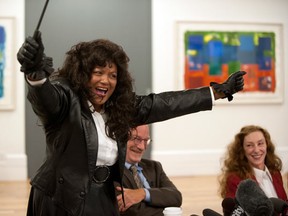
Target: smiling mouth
<point>101,91</point>
<point>136,151</point>
<point>256,156</point>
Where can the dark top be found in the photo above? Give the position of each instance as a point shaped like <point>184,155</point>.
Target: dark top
<point>72,140</point>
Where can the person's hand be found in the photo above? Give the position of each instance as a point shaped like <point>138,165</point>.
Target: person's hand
<point>131,197</point>
<point>233,84</point>
<point>32,58</point>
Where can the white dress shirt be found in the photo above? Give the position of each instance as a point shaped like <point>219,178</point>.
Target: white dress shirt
<point>265,182</point>
<point>107,147</point>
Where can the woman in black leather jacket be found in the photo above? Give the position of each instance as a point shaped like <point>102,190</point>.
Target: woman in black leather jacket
<point>87,109</point>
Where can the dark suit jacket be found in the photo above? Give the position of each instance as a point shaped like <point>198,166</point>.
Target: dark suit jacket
<point>163,192</point>
<point>234,180</point>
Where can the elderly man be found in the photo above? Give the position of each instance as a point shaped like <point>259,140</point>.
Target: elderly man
<point>147,191</point>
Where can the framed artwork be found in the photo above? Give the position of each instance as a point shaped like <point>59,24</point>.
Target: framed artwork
<point>7,62</point>
<point>212,51</point>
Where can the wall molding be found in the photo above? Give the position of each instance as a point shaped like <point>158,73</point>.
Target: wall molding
<point>13,167</point>
<point>200,162</point>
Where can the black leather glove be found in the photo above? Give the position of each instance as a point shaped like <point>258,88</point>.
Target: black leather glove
<point>32,58</point>
<point>233,84</point>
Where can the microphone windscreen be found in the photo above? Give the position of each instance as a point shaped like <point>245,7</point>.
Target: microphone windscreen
<point>253,199</point>
<point>210,212</point>
<point>228,206</point>
<point>280,206</point>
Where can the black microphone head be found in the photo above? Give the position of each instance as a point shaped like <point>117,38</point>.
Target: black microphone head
<point>210,212</point>
<point>228,206</point>
<point>253,199</point>
<point>280,206</point>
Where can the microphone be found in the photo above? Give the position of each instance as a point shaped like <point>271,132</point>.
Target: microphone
<point>280,206</point>
<point>253,200</point>
<point>210,212</point>
<point>228,206</point>
<point>231,208</point>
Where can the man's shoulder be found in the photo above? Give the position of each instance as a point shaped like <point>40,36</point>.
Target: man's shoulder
<point>149,162</point>
<point>146,160</point>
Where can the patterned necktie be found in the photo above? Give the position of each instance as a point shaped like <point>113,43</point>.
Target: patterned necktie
<point>136,177</point>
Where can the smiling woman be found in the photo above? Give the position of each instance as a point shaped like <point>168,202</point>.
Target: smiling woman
<point>87,111</point>
<point>255,148</point>
<point>102,84</point>
<point>252,156</point>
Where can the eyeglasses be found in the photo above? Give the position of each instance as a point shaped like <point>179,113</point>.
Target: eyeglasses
<point>138,140</point>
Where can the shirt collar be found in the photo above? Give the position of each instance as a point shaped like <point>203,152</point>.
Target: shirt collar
<point>128,165</point>
<point>262,173</point>
<point>91,107</point>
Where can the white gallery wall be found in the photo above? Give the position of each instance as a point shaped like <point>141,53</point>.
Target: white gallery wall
<point>194,144</point>
<point>13,161</point>
<point>189,145</point>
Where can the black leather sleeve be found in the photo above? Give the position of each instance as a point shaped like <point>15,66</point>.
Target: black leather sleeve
<point>167,105</point>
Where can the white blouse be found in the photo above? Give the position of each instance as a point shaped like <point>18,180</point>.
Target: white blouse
<point>107,147</point>
<point>265,181</point>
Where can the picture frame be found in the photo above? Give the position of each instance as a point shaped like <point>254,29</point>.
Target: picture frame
<point>7,63</point>
<point>211,51</point>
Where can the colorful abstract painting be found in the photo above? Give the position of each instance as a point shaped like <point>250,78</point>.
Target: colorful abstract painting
<point>2,59</point>
<point>7,63</point>
<point>214,55</point>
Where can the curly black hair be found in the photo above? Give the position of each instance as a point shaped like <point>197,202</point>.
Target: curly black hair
<point>78,66</point>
